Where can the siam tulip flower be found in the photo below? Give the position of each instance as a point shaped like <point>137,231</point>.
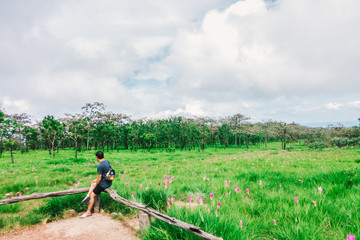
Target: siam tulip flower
<point>216,213</point>
<point>235,187</point>
<point>124,172</point>
<point>172,178</point>
<point>248,191</point>
<point>20,194</point>
<point>36,181</point>
<point>168,200</point>
<point>91,175</point>
<point>350,237</point>
<point>208,210</point>
<point>168,205</point>
<point>280,184</point>
<point>296,199</point>
<point>241,223</point>
<point>168,181</point>
<point>165,177</point>
<point>260,182</point>
<point>150,181</point>
<point>238,190</point>
<point>218,204</point>
<point>190,199</point>
<point>133,193</point>
<point>172,200</point>
<point>225,183</point>
<point>226,194</point>
<point>211,196</point>
<point>55,182</point>
<point>200,200</point>
<point>301,180</point>
<point>274,221</point>
<point>208,179</point>
<point>314,203</point>
<point>127,184</point>
<point>320,189</point>
<point>140,185</point>
<point>49,183</point>
<point>143,172</point>
<point>204,178</point>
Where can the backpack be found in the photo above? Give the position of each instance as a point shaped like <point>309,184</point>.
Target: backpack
<point>110,175</point>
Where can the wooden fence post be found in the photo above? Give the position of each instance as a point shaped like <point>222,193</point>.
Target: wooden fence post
<point>97,204</point>
<point>144,221</point>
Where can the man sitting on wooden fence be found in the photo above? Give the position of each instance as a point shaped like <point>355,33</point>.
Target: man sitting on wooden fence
<point>98,185</point>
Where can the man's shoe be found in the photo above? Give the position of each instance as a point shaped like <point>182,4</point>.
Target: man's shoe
<point>85,215</point>
<point>85,200</point>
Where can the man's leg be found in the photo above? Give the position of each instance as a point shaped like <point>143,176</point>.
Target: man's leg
<point>91,203</point>
<point>92,186</point>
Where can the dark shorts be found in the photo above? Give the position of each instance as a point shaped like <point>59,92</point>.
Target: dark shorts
<point>98,189</point>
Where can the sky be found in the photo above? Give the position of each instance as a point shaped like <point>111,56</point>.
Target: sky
<point>286,60</point>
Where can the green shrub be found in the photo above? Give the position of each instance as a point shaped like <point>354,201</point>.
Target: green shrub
<point>317,145</point>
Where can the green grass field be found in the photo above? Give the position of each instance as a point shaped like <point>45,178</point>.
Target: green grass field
<point>254,188</point>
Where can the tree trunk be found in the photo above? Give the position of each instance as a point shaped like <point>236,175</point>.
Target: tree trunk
<point>265,140</point>
<point>284,138</point>
<point>12,156</point>
<point>76,148</point>
<point>202,145</point>
<point>247,141</point>
<point>236,140</point>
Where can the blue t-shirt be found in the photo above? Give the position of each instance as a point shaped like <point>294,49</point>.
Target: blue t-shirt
<point>102,169</point>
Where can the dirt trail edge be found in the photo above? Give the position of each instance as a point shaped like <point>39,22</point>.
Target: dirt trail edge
<point>98,226</point>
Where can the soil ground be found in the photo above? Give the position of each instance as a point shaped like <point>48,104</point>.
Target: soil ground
<point>98,226</point>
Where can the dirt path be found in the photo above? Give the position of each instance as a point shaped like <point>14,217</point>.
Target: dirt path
<point>98,226</point>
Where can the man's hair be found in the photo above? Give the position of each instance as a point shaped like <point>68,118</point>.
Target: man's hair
<point>99,154</point>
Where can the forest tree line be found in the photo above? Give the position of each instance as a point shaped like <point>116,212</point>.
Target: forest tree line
<point>94,128</point>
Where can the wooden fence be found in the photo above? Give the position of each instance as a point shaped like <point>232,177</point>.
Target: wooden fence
<point>113,194</point>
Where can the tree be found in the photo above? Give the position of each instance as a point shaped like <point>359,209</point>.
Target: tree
<point>11,133</point>
<point>75,127</point>
<point>91,112</point>
<point>2,131</point>
<point>235,123</point>
<point>52,131</point>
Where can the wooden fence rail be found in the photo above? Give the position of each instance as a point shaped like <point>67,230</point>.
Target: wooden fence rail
<point>113,194</point>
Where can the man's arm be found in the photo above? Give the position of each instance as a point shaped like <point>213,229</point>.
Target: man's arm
<point>97,180</point>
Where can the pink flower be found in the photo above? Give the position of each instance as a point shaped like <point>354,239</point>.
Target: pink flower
<point>260,182</point>
<point>274,221</point>
<point>226,194</point>
<point>172,200</point>
<point>301,180</point>
<point>296,199</point>
<point>200,200</point>
<point>36,181</point>
<point>168,181</point>
<point>20,194</point>
<point>91,175</point>
<point>147,188</point>
<point>235,187</point>
<point>218,204</point>
<point>168,205</point>
<point>127,184</point>
<point>225,183</point>
<point>241,223</point>
<point>150,181</point>
<point>165,177</point>
<point>211,195</point>
<point>133,193</point>
<point>204,178</point>
<point>216,213</point>
<point>168,200</point>
<point>280,184</point>
<point>143,172</point>
<point>238,190</point>
<point>248,191</point>
<point>314,203</point>
<point>140,185</point>
<point>190,199</point>
<point>350,237</point>
<point>320,189</point>
<point>49,183</point>
<point>172,178</point>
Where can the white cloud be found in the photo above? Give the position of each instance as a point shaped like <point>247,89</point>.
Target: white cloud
<point>355,104</point>
<point>15,105</point>
<point>333,106</point>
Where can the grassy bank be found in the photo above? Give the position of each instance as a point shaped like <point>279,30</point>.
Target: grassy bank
<point>262,185</point>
